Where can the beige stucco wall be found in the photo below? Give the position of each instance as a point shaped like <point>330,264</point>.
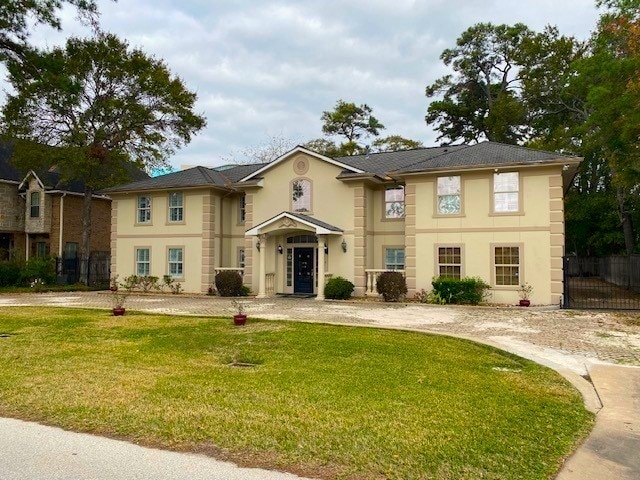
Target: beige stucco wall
<point>159,235</point>
<point>332,202</point>
<point>477,231</point>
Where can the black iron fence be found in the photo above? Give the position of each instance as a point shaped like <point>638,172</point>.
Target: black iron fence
<point>602,283</point>
<point>68,269</point>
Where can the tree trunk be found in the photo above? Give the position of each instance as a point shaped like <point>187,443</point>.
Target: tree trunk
<point>86,236</point>
<point>627,223</point>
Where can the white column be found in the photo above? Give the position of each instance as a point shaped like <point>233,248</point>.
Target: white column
<point>262,279</point>
<point>322,241</point>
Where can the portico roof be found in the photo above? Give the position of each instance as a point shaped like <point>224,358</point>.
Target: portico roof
<point>290,220</point>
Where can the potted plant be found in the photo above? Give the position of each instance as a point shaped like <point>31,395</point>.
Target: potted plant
<point>239,318</point>
<point>118,298</point>
<point>524,292</point>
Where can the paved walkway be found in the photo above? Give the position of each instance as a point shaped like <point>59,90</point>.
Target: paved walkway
<point>577,344</point>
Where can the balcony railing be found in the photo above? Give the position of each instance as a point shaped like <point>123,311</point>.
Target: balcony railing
<point>372,278</point>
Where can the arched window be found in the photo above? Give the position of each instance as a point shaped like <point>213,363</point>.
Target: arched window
<point>301,195</point>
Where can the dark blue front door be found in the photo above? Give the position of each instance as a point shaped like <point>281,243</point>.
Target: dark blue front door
<point>303,270</point>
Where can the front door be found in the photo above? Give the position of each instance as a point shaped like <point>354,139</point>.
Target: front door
<point>303,270</point>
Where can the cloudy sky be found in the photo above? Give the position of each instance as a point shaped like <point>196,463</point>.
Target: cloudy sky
<point>269,68</point>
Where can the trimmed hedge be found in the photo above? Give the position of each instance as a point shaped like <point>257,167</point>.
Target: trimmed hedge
<point>392,286</point>
<point>14,273</point>
<point>229,284</point>
<point>469,291</point>
<point>338,288</point>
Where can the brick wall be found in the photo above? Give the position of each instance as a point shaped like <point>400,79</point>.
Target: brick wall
<point>12,208</point>
<point>72,223</point>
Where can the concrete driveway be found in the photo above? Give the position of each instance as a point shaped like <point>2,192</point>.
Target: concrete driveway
<point>582,345</point>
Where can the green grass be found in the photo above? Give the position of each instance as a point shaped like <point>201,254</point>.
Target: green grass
<point>329,401</point>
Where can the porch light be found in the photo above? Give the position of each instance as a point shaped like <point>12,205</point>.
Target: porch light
<point>280,249</point>
<point>258,245</point>
<point>344,245</point>
<point>326,249</point>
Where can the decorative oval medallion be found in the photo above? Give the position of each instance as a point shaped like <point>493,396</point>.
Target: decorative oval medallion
<point>300,165</point>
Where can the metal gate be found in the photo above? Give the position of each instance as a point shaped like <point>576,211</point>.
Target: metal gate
<point>602,283</point>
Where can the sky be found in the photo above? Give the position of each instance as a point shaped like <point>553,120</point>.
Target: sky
<point>265,68</point>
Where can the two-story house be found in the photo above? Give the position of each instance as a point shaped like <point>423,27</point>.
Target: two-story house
<point>489,210</point>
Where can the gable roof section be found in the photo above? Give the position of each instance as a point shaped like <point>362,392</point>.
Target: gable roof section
<point>192,177</point>
<point>321,228</point>
<point>488,154</point>
<point>299,149</point>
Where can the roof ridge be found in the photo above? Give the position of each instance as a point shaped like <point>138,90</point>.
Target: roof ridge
<point>527,148</point>
<point>444,153</point>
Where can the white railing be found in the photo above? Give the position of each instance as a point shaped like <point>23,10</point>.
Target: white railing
<point>372,277</point>
<point>270,283</point>
<point>240,270</point>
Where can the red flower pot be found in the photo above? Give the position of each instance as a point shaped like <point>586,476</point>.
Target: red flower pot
<point>118,312</point>
<point>525,303</point>
<point>239,320</point>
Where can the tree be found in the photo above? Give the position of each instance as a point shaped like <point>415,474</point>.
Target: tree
<point>351,122</point>
<point>275,146</point>
<point>323,147</point>
<point>395,143</point>
<point>17,15</point>
<point>106,107</point>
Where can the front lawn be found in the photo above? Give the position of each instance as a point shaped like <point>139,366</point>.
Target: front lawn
<point>327,401</point>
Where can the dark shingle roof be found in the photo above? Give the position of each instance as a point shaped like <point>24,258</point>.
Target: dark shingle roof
<point>315,221</point>
<point>192,177</point>
<point>236,173</point>
<point>481,154</point>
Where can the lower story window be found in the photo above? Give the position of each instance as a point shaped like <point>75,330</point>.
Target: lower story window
<point>143,262</point>
<point>175,262</point>
<point>449,262</point>
<point>241,258</point>
<point>394,258</point>
<point>507,265</point>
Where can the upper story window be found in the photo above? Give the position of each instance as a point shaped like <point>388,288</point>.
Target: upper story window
<point>506,192</point>
<point>301,195</point>
<point>394,258</point>
<point>144,209</point>
<point>176,207</point>
<point>242,208</point>
<point>35,205</point>
<point>394,202</point>
<point>449,195</point>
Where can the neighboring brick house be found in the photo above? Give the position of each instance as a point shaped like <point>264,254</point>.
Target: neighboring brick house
<point>489,210</point>
<point>42,215</point>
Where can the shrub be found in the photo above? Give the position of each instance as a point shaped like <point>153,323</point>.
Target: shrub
<point>10,273</point>
<point>43,268</point>
<point>469,291</point>
<point>338,288</point>
<point>392,286</point>
<point>229,283</point>
<point>131,282</point>
<point>148,283</point>
<point>429,297</point>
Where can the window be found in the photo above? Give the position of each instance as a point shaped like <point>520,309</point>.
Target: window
<point>449,262</point>
<point>241,258</point>
<point>301,195</point>
<point>394,202</point>
<point>35,204</point>
<point>394,258</point>
<point>507,265</point>
<point>242,208</point>
<point>143,262</point>
<point>144,209</point>
<point>449,195</point>
<point>176,207</point>
<point>175,262</point>
<point>42,249</point>
<point>506,196</point>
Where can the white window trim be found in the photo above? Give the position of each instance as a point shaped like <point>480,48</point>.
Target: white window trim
<point>385,203</point>
<point>437,212</point>
<point>137,262</point>
<point>494,193</point>
<point>181,262</point>
<point>437,258</point>
<point>179,208</point>
<point>520,265</point>
<point>140,209</point>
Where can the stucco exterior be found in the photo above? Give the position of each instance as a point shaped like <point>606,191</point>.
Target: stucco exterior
<point>343,227</point>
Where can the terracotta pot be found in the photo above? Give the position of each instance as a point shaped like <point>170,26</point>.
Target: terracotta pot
<point>118,312</point>
<point>525,303</point>
<point>239,320</point>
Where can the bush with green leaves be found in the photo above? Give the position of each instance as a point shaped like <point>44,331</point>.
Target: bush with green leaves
<point>229,284</point>
<point>10,273</point>
<point>429,297</point>
<point>43,268</point>
<point>468,291</point>
<point>338,288</point>
<point>392,286</point>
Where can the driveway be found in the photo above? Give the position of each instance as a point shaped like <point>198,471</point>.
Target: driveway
<point>603,347</point>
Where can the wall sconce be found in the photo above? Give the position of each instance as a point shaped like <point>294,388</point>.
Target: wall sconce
<point>344,245</point>
<point>258,245</point>
<point>326,249</point>
<point>280,249</point>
